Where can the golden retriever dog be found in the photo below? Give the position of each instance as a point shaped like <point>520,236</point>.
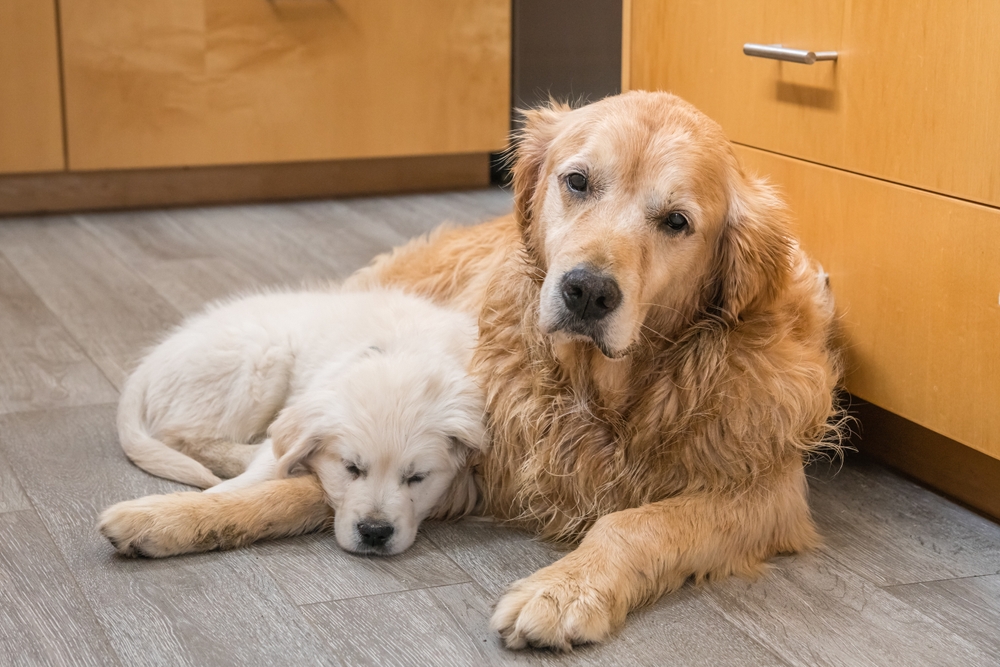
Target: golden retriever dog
<point>656,354</point>
<point>369,390</point>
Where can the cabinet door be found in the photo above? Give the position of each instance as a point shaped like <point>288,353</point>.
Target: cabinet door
<point>30,116</point>
<point>158,83</point>
<point>916,277</point>
<point>913,98</point>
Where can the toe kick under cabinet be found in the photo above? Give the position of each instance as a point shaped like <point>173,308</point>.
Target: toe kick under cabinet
<point>890,160</point>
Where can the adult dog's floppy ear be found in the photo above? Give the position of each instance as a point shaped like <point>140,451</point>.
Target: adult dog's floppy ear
<point>755,248</point>
<point>293,439</point>
<point>540,127</point>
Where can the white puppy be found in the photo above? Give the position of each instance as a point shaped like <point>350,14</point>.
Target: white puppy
<point>369,389</point>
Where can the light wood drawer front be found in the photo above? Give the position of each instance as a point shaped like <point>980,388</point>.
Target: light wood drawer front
<point>917,282</point>
<point>156,83</point>
<point>914,97</point>
<point>30,115</point>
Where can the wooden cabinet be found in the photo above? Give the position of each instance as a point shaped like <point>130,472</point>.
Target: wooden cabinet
<point>914,97</point>
<point>130,103</point>
<point>164,83</point>
<point>890,159</point>
<point>31,137</point>
<point>917,281</point>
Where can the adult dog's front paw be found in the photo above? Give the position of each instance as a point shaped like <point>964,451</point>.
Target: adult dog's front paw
<point>145,527</point>
<point>556,607</point>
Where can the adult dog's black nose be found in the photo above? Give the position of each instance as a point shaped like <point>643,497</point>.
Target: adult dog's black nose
<point>375,533</point>
<point>588,294</point>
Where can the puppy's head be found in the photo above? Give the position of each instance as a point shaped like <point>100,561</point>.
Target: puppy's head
<point>637,212</point>
<point>389,436</point>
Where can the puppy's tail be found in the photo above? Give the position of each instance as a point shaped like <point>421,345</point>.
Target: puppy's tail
<point>147,452</point>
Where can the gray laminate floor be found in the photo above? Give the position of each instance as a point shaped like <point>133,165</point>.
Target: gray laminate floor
<point>905,578</point>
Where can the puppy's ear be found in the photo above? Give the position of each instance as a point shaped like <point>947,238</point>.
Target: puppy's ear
<point>468,436</point>
<point>540,127</point>
<point>755,248</point>
<point>464,420</point>
<point>292,439</point>
<point>304,426</point>
<point>461,497</point>
<point>468,433</point>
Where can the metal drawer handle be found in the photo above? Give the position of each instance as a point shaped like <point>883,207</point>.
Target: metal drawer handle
<point>779,52</point>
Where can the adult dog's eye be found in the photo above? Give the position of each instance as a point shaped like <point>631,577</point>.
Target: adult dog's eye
<point>675,222</point>
<point>576,182</point>
<point>354,470</point>
<point>415,479</point>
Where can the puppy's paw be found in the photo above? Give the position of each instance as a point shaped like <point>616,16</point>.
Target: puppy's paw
<point>144,527</point>
<point>554,608</point>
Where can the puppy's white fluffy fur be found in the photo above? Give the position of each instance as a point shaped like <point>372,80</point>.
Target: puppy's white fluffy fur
<point>368,389</point>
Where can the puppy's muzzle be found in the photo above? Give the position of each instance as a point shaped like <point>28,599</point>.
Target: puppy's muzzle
<point>588,294</point>
<point>375,534</point>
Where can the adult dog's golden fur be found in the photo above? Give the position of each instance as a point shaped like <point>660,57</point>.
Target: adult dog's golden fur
<point>667,439</point>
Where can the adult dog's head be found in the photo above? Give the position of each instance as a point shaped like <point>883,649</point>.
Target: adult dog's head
<point>637,213</point>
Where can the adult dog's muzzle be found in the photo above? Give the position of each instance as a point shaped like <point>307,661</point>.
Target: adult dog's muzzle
<point>589,295</point>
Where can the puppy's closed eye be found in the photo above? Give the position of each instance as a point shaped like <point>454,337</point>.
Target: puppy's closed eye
<point>416,479</point>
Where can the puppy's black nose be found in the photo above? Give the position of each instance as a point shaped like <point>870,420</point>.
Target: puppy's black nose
<point>375,533</point>
<point>588,294</point>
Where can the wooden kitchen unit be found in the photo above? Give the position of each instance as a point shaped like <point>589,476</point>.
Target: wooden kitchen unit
<point>200,82</point>
<point>31,134</point>
<point>888,158</point>
<point>913,97</point>
<point>171,102</point>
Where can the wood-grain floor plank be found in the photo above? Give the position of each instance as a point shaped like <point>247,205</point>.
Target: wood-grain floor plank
<point>191,256</point>
<point>247,237</point>
<point>312,569</point>
<point>139,238</point>
<point>484,204</point>
<point>406,628</point>
<point>12,498</point>
<point>189,284</point>
<point>108,309</point>
<point>680,629</point>
<point>968,607</point>
<point>44,619</point>
<point>344,237</point>
<point>410,217</point>
<point>811,610</point>
<point>451,623</point>
<point>892,531</point>
<point>494,556</point>
<point>40,363</point>
<point>181,268</point>
<point>209,609</point>
<point>252,239</point>
<point>418,214</point>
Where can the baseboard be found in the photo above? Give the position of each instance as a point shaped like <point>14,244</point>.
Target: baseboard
<point>138,188</point>
<point>958,471</point>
